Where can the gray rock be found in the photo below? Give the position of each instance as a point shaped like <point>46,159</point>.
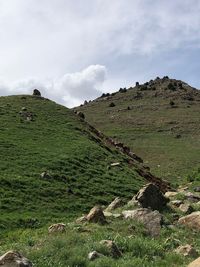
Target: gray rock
<point>57,228</point>
<point>150,219</point>
<point>96,215</point>
<point>116,203</point>
<point>191,221</point>
<point>14,259</point>
<point>93,255</point>
<point>150,196</point>
<point>186,250</point>
<point>36,92</point>
<point>186,208</point>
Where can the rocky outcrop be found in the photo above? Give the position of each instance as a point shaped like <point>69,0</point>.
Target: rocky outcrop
<point>57,228</point>
<point>14,259</point>
<point>96,215</point>
<point>192,220</point>
<point>150,219</point>
<point>112,248</point>
<point>186,208</point>
<point>150,196</point>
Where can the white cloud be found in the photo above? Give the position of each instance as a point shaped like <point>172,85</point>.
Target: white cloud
<point>71,89</point>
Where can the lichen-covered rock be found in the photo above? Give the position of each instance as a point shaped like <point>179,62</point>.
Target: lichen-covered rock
<point>14,259</point>
<point>150,219</point>
<point>113,249</point>
<point>150,196</point>
<point>96,215</point>
<point>57,228</point>
<point>191,221</point>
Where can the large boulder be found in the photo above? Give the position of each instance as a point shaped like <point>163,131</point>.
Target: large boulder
<point>150,196</point>
<point>14,259</point>
<point>150,219</point>
<point>117,202</point>
<point>96,215</point>
<point>192,220</point>
<point>195,263</point>
<point>112,248</point>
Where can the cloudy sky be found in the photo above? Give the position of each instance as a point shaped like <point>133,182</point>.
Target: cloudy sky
<point>74,50</point>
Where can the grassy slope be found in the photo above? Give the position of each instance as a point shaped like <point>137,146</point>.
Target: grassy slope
<point>151,125</point>
<point>59,142</point>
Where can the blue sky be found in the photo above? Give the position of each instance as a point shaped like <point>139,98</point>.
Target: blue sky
<point>74,50</point>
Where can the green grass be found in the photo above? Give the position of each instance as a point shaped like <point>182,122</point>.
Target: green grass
<point>151,126</point>
<point>71,248</point>
<point>56,141</point>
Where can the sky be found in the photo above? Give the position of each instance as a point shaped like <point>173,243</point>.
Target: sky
<point>73,50</point>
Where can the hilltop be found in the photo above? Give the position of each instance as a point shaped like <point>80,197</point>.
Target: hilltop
<point>53,165</point>
<point>159,120</point>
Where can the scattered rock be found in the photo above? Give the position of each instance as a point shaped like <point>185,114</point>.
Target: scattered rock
<point>193,198</point>
<point>96,215</point>
<point>57,228</point>
<point>195,263</point>
<point>111,105</point>
<point>150,196</point>
<point>45,175</point>
<point>116,203</point>
<point>170,194</point>
<point>115,164</point>
<point>176,203</point>
<point>113,215</point>
<point>14,259</point>
<point>112,248</point>
<point>197,189</point>
<point>36,92</point>
<point>23,109</point>
<point>186,250</point>
<point>186,208</point>
<point>82,219</point>
<point>192,220</point>
<point>150,219</point>
<point>93,255</point>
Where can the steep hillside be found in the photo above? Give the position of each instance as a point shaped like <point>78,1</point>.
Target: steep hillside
<point>37,136</point>
<point>158,120</point>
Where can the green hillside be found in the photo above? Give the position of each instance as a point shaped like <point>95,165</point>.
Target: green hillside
<point>38,135</point>
<point>158,120</point>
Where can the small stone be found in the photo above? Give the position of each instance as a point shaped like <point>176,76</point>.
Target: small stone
<point>57,228</point>
<point>82,219</point>
<point>186,208</point>
<point>171,194</point>
<point>93,255</point>
<point>186,250</point>
<point>14,259</point>
<point>112,248</point>
<point>176,203</point>
<point>116,203</point>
